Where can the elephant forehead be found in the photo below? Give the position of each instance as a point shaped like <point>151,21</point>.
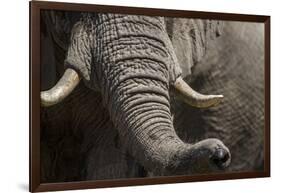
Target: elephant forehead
<point>135,38</point>
<point>111,27</point>
<point>131,24</point>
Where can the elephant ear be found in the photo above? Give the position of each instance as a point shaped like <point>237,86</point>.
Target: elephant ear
<point>190,38</point>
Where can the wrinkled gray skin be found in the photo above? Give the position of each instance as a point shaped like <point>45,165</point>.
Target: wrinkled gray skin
<point>122,126</point>
<point>233,66</point>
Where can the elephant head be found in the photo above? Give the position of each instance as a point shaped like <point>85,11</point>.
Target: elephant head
<point>131,61</point>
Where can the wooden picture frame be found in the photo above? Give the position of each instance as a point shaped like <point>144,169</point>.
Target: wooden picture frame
<point>35,22</point>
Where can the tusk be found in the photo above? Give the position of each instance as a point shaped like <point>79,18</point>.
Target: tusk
<point>62,89</point>
<point>193,98</point>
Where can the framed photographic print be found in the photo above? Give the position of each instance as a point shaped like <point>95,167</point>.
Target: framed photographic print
<point>123,96</point>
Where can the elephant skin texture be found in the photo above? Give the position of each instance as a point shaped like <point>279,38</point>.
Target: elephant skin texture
<point>233,66</point>
<point>123,121</point>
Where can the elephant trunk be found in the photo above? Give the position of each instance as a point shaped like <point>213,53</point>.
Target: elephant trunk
<point>137,66</point>
<point>142,116</point>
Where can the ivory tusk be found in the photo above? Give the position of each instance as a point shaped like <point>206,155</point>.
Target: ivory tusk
<point>61,90</point>
<point>193,98</point>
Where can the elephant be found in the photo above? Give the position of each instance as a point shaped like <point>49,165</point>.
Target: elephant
<point>119,104</point>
